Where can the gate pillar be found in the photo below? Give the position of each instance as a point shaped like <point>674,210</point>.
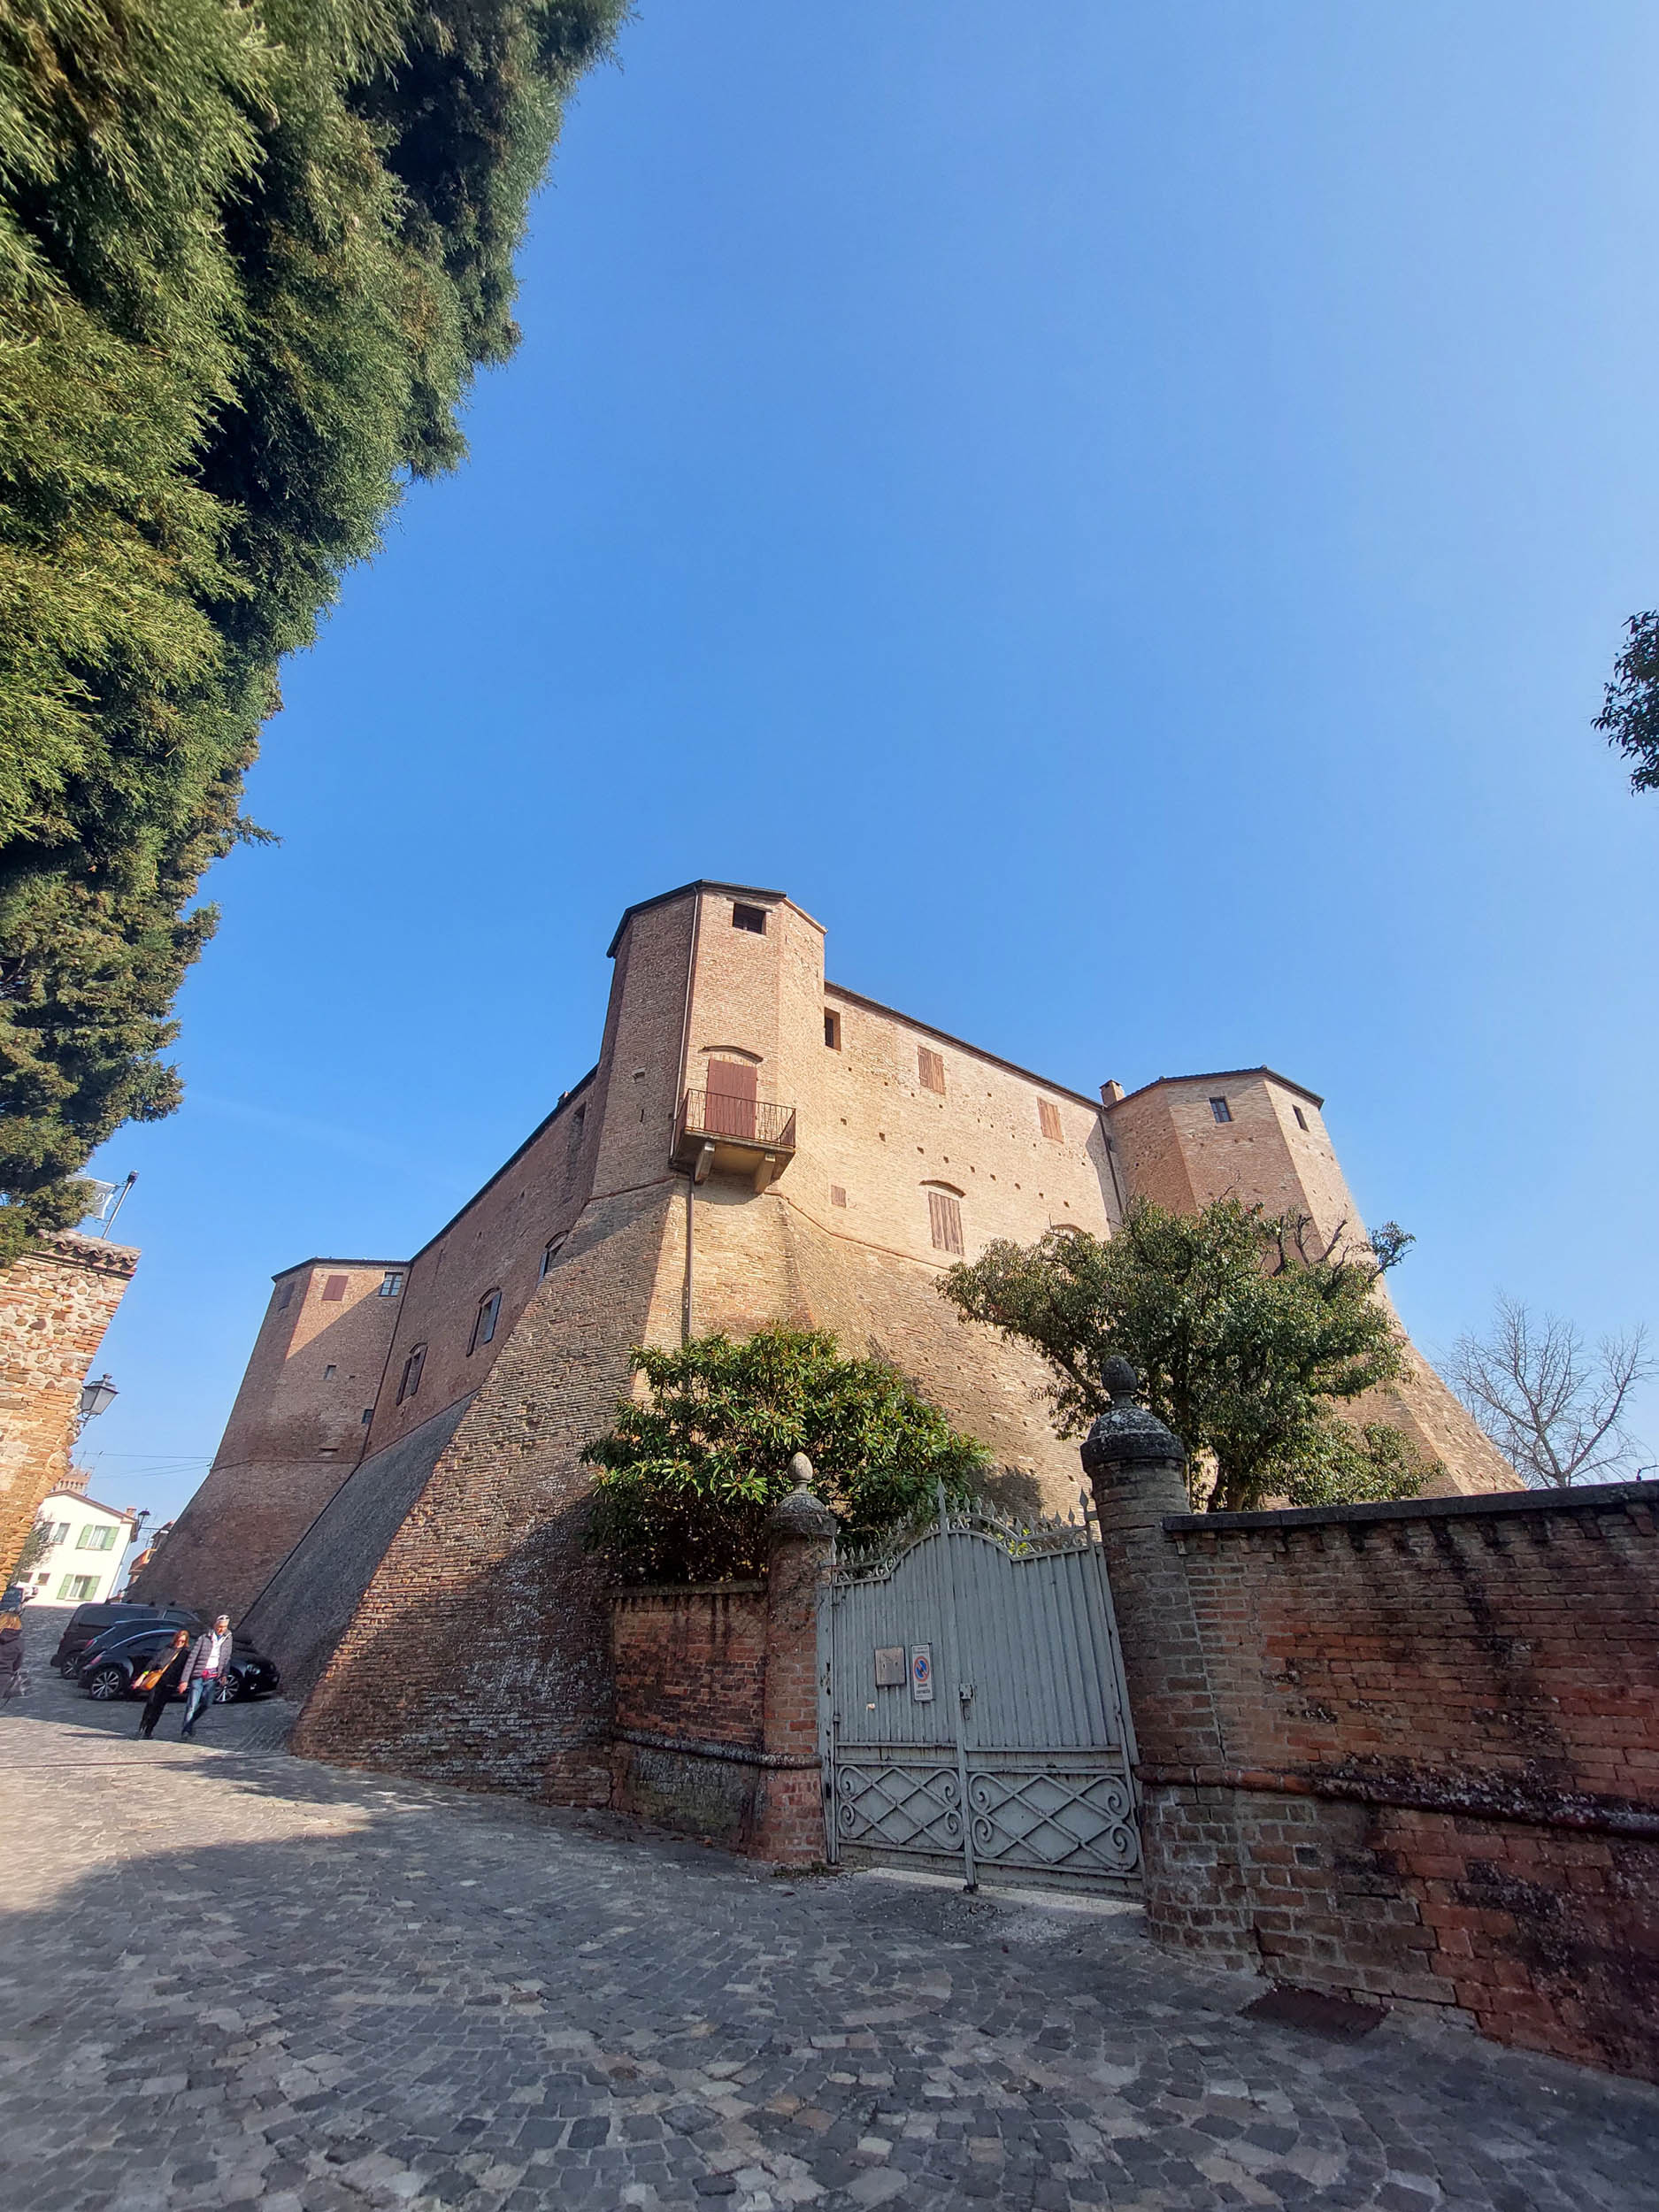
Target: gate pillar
<point>1194,1896</point>
<point>789,1808</point>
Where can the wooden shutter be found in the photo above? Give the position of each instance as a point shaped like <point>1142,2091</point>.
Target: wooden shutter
<point>334,1290</point>
<point>944,1217</point>
<point>1048,1114</point>
<point>730,1099</point>
<point>930,1067</point>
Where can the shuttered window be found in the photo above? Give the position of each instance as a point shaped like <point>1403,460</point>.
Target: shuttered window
<point>931,1068</point>
<point>838,1196</point>
<point>484,1322</point>
<point>283,1295</point>
<point>1048,1114</point>
<point>752,918</point>
<point>409,1380</point>
<point>944,1217</point>
<point>334,1290</point>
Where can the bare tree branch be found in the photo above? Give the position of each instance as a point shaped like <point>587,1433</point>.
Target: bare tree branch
<point>1553,1409</point>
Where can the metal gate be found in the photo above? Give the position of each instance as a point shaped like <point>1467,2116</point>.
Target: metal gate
<point>972,1714</point>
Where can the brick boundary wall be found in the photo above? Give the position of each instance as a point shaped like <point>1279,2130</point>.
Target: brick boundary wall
<point>716,1713</point>
<point>57,1300</point>
<point>1408,1753</point>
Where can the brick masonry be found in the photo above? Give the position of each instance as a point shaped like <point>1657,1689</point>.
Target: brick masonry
<point>477,1646</point>
<point>716,1713</point>
<point>1407,1753</point>
<point>56,1302</point>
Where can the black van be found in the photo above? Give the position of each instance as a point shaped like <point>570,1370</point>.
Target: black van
<point>87,1621</point>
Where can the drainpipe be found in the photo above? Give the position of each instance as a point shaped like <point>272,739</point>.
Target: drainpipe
<point>680,1093</point>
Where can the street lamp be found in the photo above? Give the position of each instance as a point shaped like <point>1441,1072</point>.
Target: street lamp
<point>97,1397</point>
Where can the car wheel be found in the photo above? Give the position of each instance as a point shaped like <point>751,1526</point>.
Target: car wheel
<point>105,1683</point>
<point>68,1669</point>
<point>235,1687</point>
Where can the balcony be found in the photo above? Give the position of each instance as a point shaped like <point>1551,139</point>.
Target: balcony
<point>721,1135</point>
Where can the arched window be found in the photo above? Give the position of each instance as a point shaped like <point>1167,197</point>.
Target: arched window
<point>944,1218</point>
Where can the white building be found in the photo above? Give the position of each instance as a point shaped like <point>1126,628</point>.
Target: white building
<point>86,1544</point>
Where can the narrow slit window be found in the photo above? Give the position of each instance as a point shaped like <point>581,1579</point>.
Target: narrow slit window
<point>1049,1116</point>
<point>550,1253</point>
<point>334,1290</point>
<point>1220,1109</point>
<point>484,1322</point>
<point>368,1415</point>
<point>409,1382</point>
<point>1301,1118</point>
<point>944,1218</point>
<point>838,1196</point>
<point>329,1373</point>
<point>832,1031</point>
<point>752,918</point>
<point>930,1067</point>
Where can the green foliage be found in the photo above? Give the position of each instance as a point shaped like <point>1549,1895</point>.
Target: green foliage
<point>1630,711</point>
<point>250,256</point>
<point>36,1546</point>
<point>1244,1336</point>
<point>688,1475</point>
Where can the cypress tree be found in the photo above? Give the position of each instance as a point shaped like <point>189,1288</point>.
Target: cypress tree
<point>249,258</point>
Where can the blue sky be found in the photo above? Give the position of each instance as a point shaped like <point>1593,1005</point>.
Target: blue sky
<point>1123,511</point>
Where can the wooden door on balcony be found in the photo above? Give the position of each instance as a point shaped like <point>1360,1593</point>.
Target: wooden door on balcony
<point>730,1099</point>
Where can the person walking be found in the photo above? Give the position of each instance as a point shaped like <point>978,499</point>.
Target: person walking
<point>205,1671</point>
<point>11,1655</point>
<point>161,1677</point>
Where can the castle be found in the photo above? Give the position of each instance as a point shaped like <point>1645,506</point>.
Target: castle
<point>396,1510</point>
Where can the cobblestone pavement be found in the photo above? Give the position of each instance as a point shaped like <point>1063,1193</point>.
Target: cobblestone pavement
<point>228,1977</point>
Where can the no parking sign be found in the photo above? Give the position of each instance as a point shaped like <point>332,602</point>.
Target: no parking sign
<point>921,1673</point>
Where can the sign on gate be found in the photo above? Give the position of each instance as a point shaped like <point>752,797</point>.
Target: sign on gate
<point>1011,1751</point>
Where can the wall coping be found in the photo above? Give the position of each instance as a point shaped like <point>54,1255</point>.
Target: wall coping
<point>699,1747</point>
<point>1590,1498</point>
<point>690,1590</point>
<point>70,1250</point>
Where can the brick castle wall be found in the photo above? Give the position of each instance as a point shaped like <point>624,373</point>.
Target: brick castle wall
<point>295,1431</point>
<point>1408,1753</point>
<point>1276,1152</point>
<point>56,1302</point>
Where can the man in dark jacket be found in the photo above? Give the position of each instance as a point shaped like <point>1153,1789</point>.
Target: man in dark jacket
<point>205,1671</point>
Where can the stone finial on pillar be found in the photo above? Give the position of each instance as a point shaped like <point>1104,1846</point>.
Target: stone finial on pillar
<point>1129,1450</point>
<point>789,1815</point>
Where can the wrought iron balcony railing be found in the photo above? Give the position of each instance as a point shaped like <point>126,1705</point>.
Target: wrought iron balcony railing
<point>733,1134</point>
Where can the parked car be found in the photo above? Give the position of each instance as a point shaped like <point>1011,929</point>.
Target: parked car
<point>88,1622</point>
<point>109,1673</point>
<point>121,1632</point>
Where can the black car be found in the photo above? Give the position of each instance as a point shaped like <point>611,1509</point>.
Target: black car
<point>109,1672</point>
<point>87,1623</point>
<point>120,1634</point>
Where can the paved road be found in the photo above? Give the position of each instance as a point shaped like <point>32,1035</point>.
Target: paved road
<point>229,1977</point>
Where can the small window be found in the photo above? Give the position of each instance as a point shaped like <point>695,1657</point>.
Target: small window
<point>329,1373</point>
<point>334,1290</point>
<point>409,1381</point>
<point>1301,1118</point>
<point>1048,1114</point>
<point>391,1283</point>
<point>57,1534</point>
<point>944,1215</point>
<point>550,1253</point>
<point>368,1415</point>
<point>1220,1109</point>
<point>930,1067</point>
<point>74,1588</point>
<point>838,1196</point>
<point>93,1539</point>
<point>283,1295</point>
<point>484,1322</point>
<point>752,918</point>
<point>832,1031</point>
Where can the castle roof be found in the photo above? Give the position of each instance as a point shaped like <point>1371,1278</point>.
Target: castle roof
<point>663,898</point>
<point>1221,1075</point>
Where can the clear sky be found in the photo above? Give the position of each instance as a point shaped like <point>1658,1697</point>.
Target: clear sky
<point>1124,512</point>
